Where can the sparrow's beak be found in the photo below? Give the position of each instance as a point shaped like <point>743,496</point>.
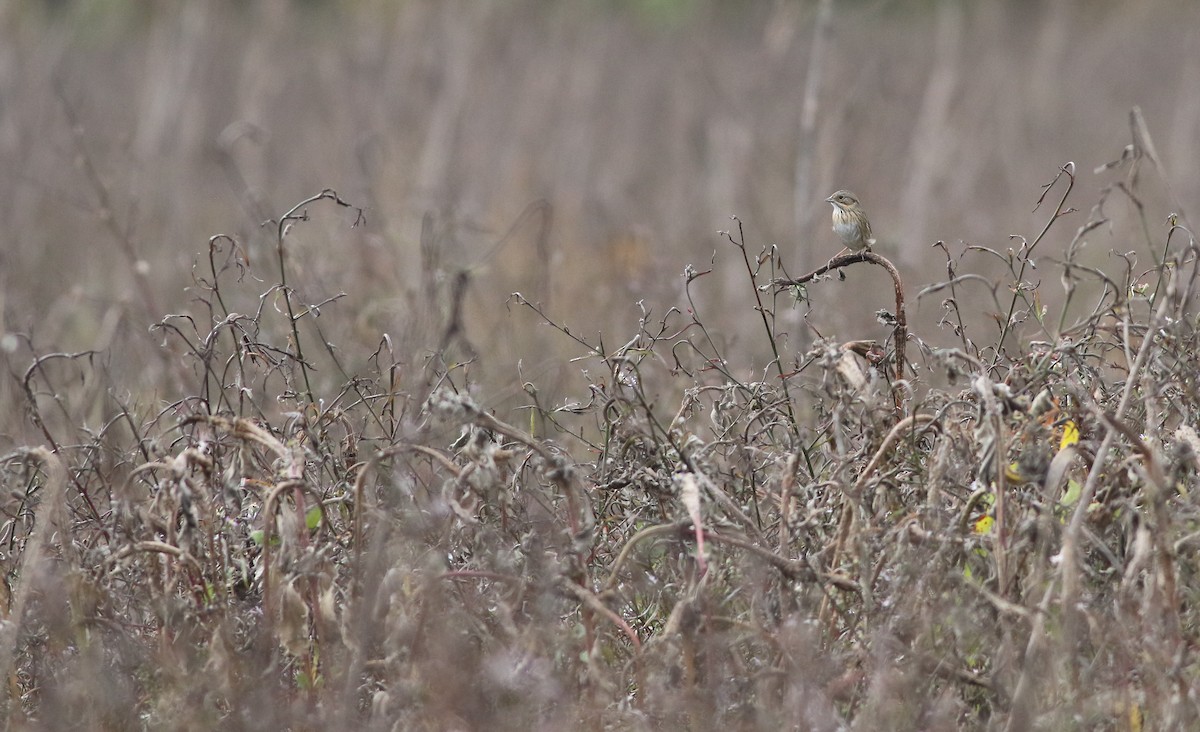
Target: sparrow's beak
<point>829,200</point>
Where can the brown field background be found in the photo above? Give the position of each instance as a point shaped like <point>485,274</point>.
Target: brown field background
<point>678,499</point>
<point>580,153</point>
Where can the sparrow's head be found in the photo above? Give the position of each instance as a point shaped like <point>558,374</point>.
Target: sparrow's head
<point>844,200</point>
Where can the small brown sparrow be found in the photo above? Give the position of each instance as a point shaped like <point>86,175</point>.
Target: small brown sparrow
<point>850,222</point>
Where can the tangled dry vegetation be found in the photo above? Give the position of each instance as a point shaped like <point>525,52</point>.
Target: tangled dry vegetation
<point>998,535</point>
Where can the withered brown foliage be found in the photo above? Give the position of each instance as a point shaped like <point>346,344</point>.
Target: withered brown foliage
<point>316,492</point>
<point>1003,538</point>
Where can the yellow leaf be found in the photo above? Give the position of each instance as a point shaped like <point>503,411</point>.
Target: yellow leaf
<point>1070,435</point>
<point>1013,474</point>
<point>984,525</point>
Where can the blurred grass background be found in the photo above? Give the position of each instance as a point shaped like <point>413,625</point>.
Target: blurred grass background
<point>194,535</point>
<point>582,153</point>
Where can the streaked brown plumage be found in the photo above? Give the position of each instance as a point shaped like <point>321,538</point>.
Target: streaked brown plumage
<point>850,222</point>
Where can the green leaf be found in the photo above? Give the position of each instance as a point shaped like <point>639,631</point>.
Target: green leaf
<point>1071,495</point>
